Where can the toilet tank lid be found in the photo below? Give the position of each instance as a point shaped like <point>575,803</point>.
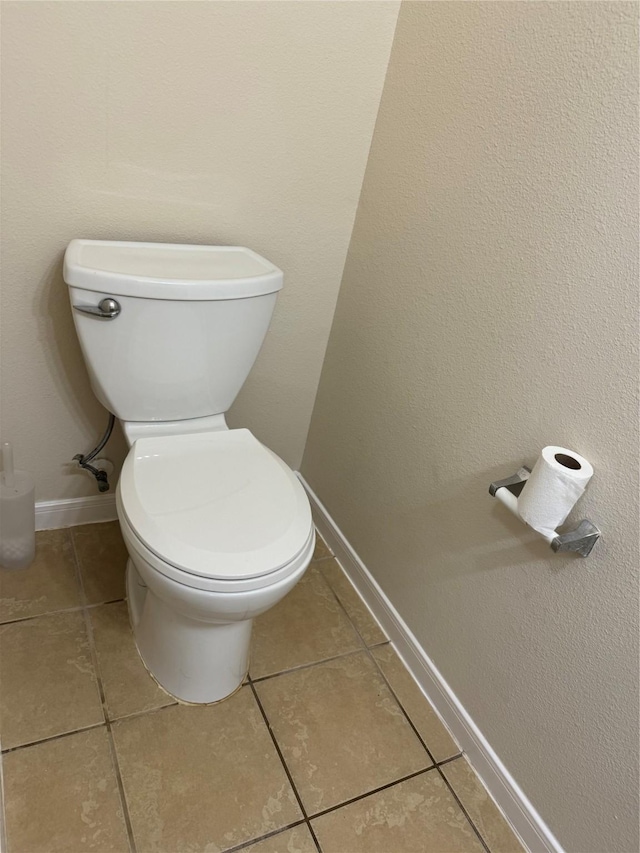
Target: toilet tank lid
<point>169,270</point>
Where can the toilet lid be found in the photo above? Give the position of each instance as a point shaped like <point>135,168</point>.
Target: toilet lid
<point>217,504</point>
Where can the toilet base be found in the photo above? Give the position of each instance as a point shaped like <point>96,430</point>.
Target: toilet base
<point>195,661</point>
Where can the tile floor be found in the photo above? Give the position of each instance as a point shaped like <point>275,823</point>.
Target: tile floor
<point>329,746</point>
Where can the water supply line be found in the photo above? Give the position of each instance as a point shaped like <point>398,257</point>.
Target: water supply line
<point>83,461</point>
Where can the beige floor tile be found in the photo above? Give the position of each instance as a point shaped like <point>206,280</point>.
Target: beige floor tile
<point>62,795</point>
<point>424,718</point>
<point>495,830</point>
<point>416,816</point>
<point>50,582</point>
<point>321,550</point>
<point>340,730</point>
<point>47,682</point>
<point>202,778</point>
<point>308,625</point>
<point>296,840</point>
<point>103,560</point>
<point>358,612</point>
<point>127,685</point>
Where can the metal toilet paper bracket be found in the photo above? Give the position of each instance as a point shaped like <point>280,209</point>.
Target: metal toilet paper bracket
<point>581,539</point>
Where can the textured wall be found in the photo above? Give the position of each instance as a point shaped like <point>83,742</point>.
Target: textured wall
<point>237,122</point>
<point>488,308</point>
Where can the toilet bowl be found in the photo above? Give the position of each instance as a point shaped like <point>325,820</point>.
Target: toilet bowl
<point>218,528</point>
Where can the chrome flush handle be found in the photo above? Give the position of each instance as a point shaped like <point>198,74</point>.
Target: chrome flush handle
<point>107,309</point>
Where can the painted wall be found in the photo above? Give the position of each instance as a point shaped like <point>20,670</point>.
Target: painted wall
<point>225,122</point>
<point>489,307</point>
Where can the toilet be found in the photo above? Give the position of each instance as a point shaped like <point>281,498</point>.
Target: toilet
<point>218,528</point>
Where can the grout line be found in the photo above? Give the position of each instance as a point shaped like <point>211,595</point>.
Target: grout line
<point>271,834</point>
<point>62,610</point>
<point>352,621</point>
<point>371,792</point>
<point>102,603</point>
<point>89,629</point>
<point>449,760</point>
<point>435,768</point>
<point>262,678</point>
<point>123,798</point>
<point>435,764</point>
<point>464,811</point>
<point>46,613</point>
<point>284,765</point>
<point>402,708</point>
<point>381,643</point>
<point>96,667</point>
<point>59,736</point>
<point>312,832</point>
<point>106,722</point>
<point>143,713</point>
<point>383,676</point>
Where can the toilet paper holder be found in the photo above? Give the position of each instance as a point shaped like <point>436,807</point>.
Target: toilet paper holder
<point>580,540</point>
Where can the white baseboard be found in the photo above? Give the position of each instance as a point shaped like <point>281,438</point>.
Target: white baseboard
<point>72,511</point>
<point>510,799</point>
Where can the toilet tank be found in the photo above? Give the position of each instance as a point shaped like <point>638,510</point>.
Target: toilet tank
<point>190,323</point>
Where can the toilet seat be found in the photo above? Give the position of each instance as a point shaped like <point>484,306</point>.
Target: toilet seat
<point>214,585</point>
<point>217,510</point>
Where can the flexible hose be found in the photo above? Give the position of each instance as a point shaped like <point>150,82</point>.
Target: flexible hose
<point>105,438</point>
<point>83,461</point>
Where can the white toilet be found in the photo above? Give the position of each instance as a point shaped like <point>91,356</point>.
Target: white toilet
<point>218,528</point>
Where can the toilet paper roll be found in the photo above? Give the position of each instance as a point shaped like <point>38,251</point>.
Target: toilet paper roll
<point>558,479</point>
